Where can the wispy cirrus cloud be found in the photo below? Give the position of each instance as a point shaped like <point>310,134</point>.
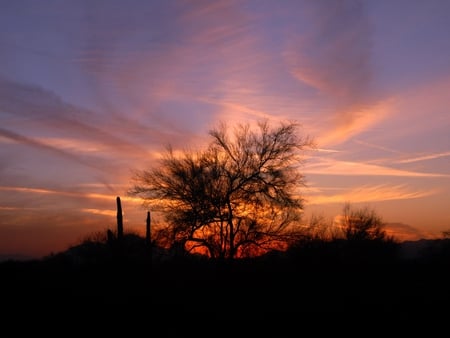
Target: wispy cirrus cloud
<point>335,58</point>
<point>351,168</point>
<point>425,157</point>
<point>368,193</point>
<point>103,212</point>
<point>18,208</point>
<point>188,65</point>
<point>73,144</point>
<point>36,123</point>
<point>419,111</point>
<point>59,151</point>
<point>31,105</point>
<point>353,121</point>
<point>46,191</point>
<point>376,146</point>
<point>324,150</point>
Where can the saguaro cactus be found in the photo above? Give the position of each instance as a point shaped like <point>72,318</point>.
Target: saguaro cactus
<point>119,219</point>
<point>147,230</point>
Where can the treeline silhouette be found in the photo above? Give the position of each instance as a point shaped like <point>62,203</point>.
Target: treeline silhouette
<point>118,271</point>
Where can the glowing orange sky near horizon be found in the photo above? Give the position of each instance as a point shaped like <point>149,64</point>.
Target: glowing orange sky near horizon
<point>90,92</point>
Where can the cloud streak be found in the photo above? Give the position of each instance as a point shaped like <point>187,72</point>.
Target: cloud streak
<point>33,106</point>
<point>71,193</point>
<point>425,157</point>
<point>95,164</point>
<point>352,168</point>
<point>369,193</point>
<point>335,58</point>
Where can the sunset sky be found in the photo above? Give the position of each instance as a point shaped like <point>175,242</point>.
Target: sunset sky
<point>91,90</point>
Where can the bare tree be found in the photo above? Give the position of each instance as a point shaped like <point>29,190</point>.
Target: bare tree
<point>239,197</point>
<point>362,224</point>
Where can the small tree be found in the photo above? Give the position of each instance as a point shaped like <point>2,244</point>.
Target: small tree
<point>239,197</point>
<point>362,224</point>
<point>366,238</point>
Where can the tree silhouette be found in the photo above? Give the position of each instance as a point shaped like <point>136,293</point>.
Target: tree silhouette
<point>362,224</point>
<point>239,197</point>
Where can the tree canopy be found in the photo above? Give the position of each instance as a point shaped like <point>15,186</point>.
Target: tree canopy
<point>238,197</point>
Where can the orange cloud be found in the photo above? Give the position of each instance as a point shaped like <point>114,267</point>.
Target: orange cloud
<point>353,121</point>
<point>349,168</point>
<point>90,195</point>
<point>367,193</point>
<point>75,145</point>
<point>103,212</point>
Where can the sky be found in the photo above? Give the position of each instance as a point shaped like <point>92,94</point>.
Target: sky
<point>91,90</point>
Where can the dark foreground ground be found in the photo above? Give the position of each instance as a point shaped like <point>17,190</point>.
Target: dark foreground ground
<point>183,297</point>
